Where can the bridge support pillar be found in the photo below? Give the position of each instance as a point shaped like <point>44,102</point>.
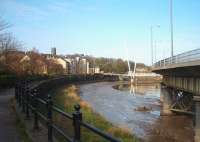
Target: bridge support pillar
<point>197,118</point>
<point>167,100</point>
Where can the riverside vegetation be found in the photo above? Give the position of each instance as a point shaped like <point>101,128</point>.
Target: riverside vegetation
<point>67,98</point>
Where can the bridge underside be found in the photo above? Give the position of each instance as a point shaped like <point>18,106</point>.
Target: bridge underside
<point>183,78</point>
<point>190,71</point>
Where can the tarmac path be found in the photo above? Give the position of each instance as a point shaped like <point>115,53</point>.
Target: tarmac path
<point>8,130</point>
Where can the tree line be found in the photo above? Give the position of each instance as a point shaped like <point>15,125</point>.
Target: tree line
<point>117,65</point>
<point>113,65</point>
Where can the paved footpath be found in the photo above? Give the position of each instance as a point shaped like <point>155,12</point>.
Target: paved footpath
<point>8,131</point>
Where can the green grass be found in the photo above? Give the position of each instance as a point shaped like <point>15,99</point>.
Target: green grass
<point>67,98</point>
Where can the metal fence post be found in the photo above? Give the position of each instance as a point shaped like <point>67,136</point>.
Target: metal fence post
<point>16,92</point>
<point>35,103</point>
<point>20,94</point>
<point>22,97</point>
<point>49,117</point>
<point>27,102</point>
<point>77,117</point>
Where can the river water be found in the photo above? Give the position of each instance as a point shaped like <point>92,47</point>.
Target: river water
<point>139,109</point>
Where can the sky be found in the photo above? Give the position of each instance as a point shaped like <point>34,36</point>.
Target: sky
<point>104,28</point>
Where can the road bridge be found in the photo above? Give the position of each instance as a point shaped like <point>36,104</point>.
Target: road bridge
<point>181,77</point>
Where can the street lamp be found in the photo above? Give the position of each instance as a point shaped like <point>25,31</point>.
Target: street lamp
<point>151,30</point>
<point>171,23</point>
<point>152,40</point>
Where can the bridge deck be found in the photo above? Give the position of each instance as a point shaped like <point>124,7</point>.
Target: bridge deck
<point>177,65</point>
<point>187,59</point>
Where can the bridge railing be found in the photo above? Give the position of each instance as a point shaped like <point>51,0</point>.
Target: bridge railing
<point>44,109</point>
<point>186,57</point>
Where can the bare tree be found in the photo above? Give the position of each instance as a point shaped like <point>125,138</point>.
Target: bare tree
<point>3,35</point>
<point>8,42</point>
<point>3,25</point>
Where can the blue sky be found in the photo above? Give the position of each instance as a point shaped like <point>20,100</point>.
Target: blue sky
<point>101,27</point>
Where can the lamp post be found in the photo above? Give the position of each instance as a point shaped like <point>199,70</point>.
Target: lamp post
<point>151,30</point>
<point>152,40</point>
<point>171,23</point>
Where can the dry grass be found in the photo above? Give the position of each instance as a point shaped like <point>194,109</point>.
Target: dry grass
<point>71,92</point>
<point>120,132</point>
<point>85,105</point>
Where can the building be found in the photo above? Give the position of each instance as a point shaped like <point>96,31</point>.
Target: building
<point>53,51</point>
<point>83,64</point>
<point>94,70</point>
<point>25,63</point>
<point>71,64</point>
<point>26,58</point>
<point>78,65</point>
<point>72,67</point>
<point>65,64</point>
<point>88,67</point>
<point>40,65</point>
<point>76,62</point>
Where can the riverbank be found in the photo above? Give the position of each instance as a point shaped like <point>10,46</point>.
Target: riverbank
<point>68,97</point>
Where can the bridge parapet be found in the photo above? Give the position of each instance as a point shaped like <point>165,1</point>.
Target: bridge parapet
<point>190,58</point>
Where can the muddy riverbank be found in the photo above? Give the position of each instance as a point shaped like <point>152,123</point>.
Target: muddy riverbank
<point>119,105</point>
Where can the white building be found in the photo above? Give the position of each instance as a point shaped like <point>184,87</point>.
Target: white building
<point>94,70</point>
<point>83,66</point>
<point>88,68</point>
<point>78,65</point>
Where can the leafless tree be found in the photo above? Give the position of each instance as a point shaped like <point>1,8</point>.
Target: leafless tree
<point>7,41</point>
<point>3,25</point>
<point>3,35</point>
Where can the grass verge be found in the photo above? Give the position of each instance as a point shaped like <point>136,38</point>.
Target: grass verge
<point>21,129</point>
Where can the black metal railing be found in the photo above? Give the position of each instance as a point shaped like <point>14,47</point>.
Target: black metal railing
<point>28,100</point>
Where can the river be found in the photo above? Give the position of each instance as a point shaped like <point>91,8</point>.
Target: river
<point>137,108</point>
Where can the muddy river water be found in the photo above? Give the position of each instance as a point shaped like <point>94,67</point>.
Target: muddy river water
<point>139,109</point>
